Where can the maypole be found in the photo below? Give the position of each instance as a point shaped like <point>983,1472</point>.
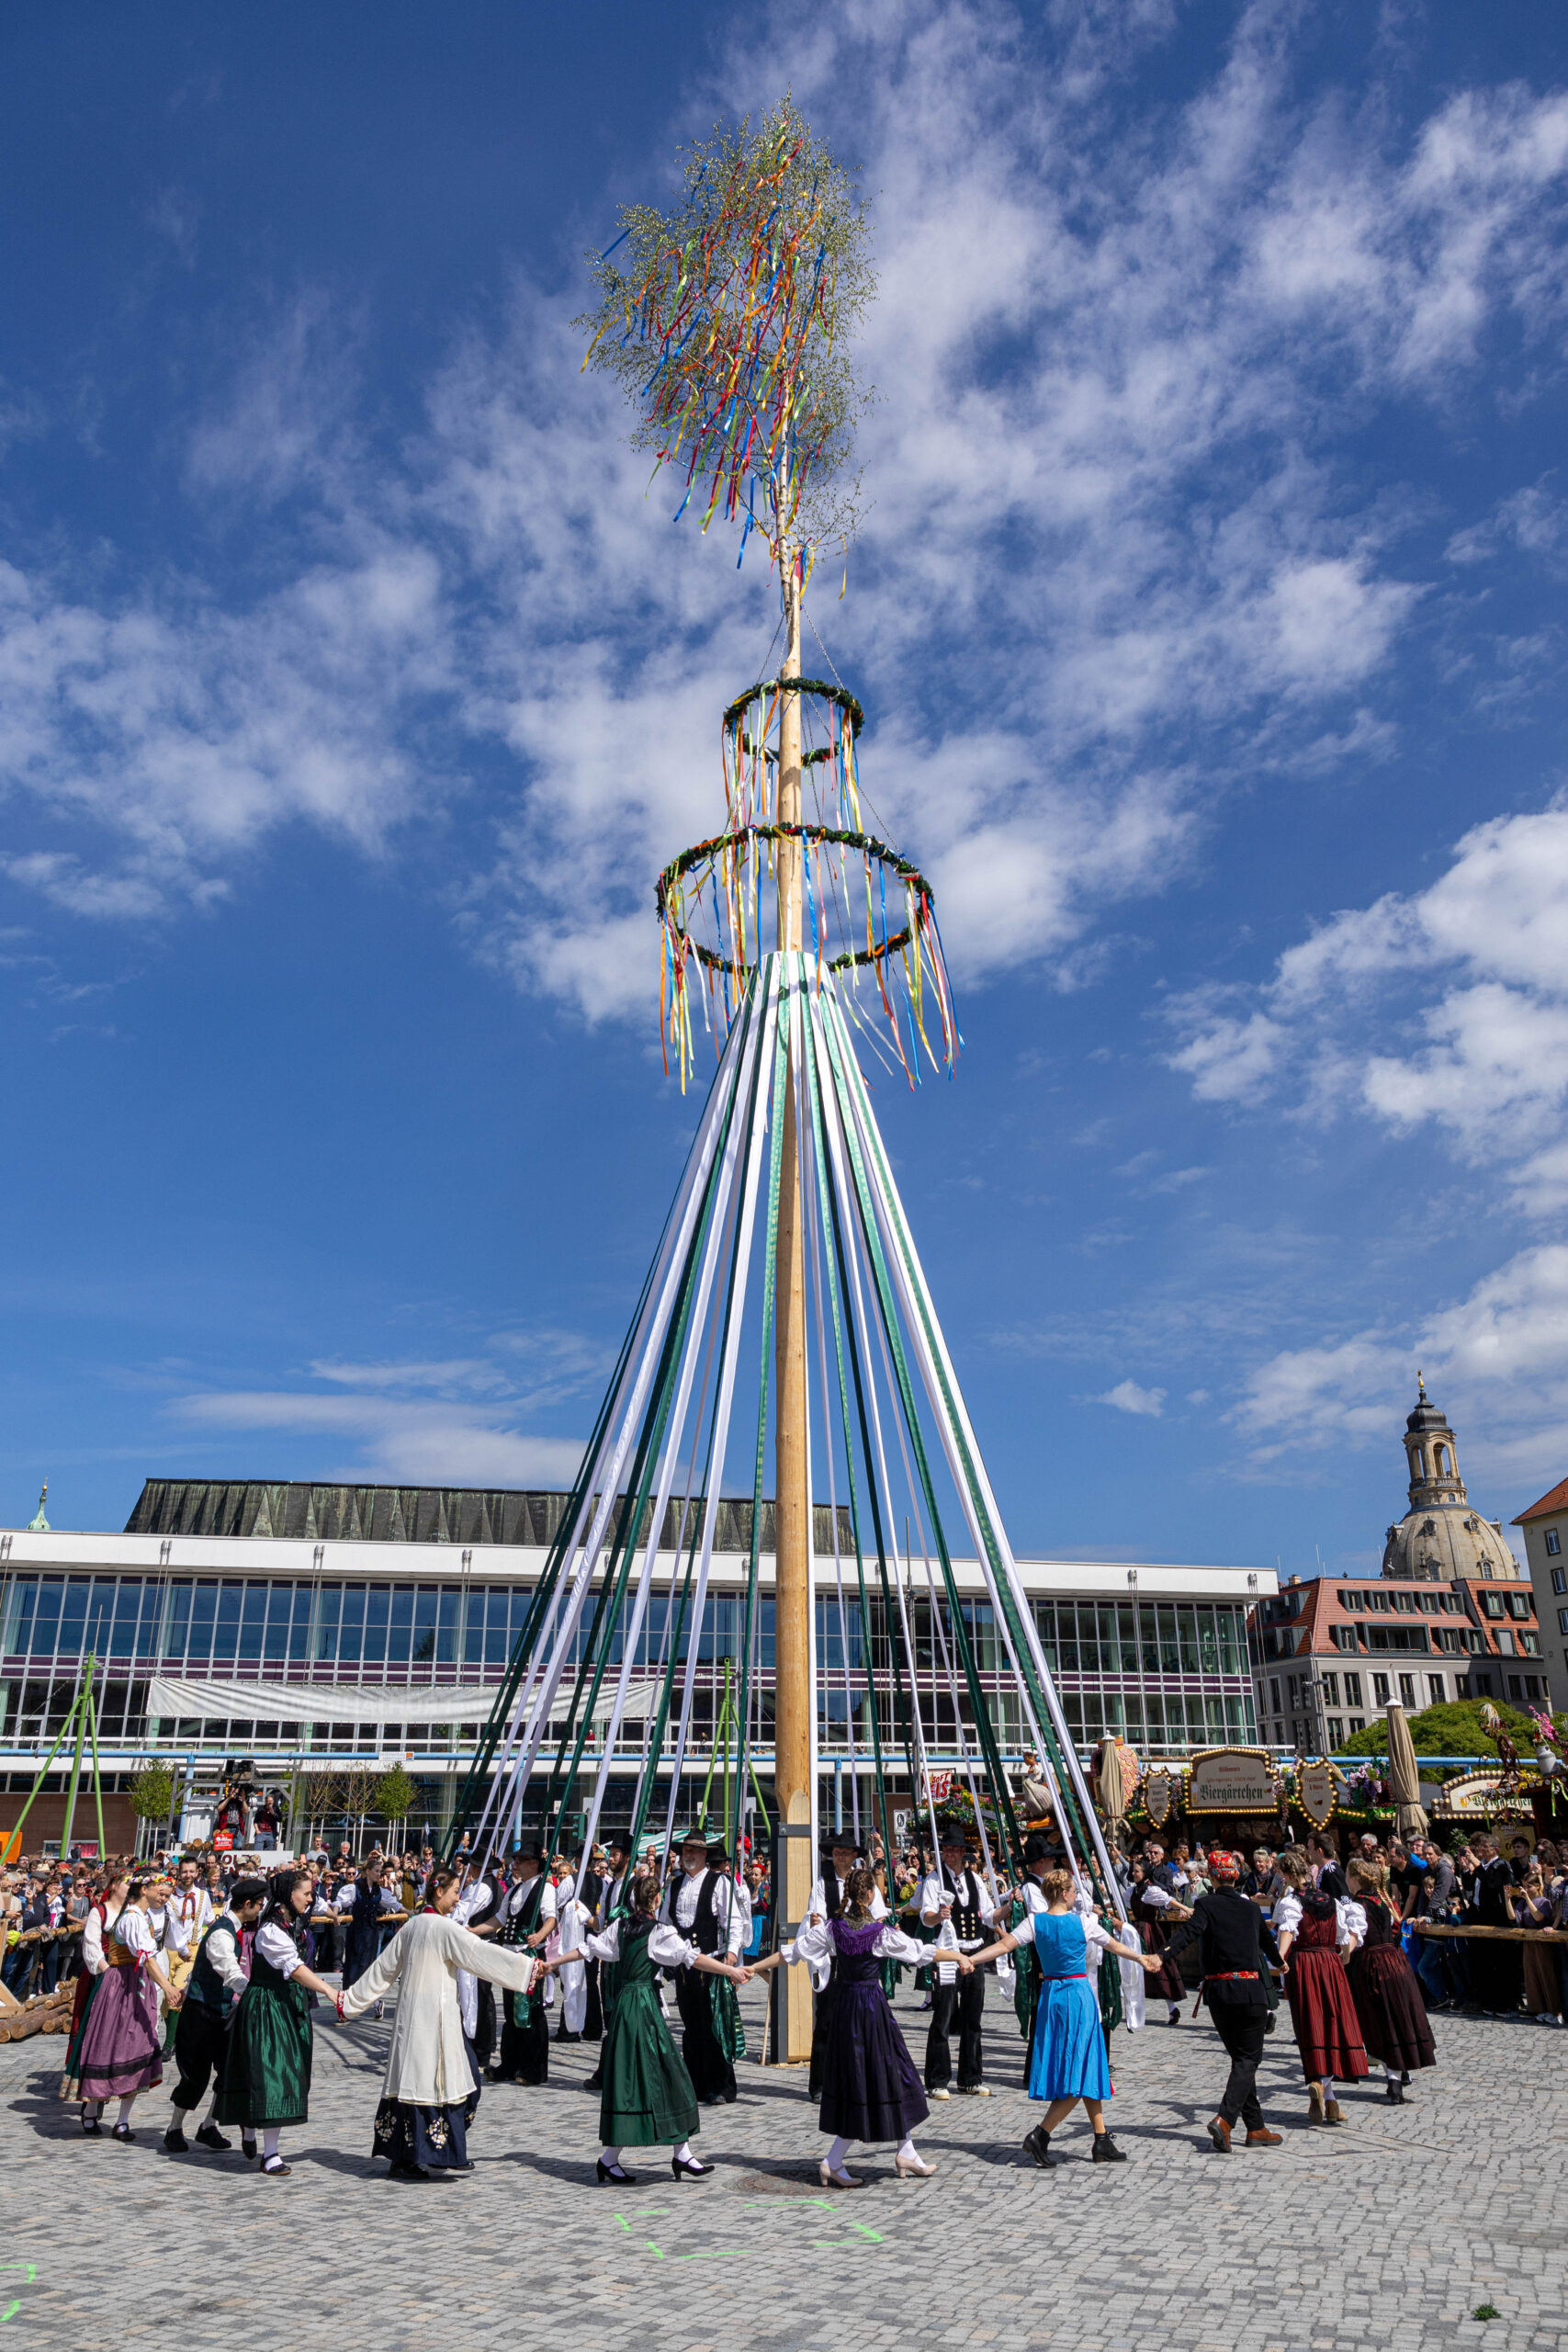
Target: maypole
<point>741,301</point>
<point>786,1323</point>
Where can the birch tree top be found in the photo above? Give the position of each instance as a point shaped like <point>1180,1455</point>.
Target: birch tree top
<point>727,321</point>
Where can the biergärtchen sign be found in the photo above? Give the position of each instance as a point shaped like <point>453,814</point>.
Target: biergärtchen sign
<point>1231,1780</point>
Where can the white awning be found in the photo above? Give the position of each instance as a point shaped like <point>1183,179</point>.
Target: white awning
<point>354,1702</point>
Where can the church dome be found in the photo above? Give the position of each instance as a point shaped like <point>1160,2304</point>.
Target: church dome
<point>1442,1535</point>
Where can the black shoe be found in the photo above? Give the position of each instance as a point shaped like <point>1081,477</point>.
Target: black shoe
<point>90,2126</point>
<point>1106,2152</point>
<point>1405,2078</point>
<point>274,2168</point>
<point>688,2168</point>
<point>408,2172</point>
<point>595,2081</point>
<point>176,2141</point>
<point>1038,2145</point>
<point>617,2174</point>
<point>210,2137</point>
<point>247,2149</point>
<point>1394,2093</point>
<point>122,2131</point>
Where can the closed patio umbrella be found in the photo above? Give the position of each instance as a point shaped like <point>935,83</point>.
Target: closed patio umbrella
<point>1403,1777</point>
<point>1110,1787</point>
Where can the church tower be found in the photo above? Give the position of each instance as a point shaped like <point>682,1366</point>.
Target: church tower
<point>1440,1536</point>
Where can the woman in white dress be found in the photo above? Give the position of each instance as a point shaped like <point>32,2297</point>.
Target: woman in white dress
<point>432,2088</point>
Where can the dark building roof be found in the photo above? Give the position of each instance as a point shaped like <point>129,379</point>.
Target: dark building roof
<point>419,1514</point>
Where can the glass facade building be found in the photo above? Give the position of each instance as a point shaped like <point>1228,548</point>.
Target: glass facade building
<point>1156,1653</point>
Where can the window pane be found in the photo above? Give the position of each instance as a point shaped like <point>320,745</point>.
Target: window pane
<point>226,1628</point>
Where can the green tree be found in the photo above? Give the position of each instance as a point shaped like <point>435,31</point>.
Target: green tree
<point>153,1792</point>
<point>395,1793</point>
<point>1452,1730</point>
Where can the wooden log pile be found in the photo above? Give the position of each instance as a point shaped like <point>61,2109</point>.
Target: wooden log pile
<point>40,2013</point>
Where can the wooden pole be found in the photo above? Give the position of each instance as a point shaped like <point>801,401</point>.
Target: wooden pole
<point>792,1505</point>
<point>83,1688</point>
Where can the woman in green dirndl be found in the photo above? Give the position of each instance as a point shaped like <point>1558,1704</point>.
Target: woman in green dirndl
<point>267,2069</point>
<point>647,2101</point>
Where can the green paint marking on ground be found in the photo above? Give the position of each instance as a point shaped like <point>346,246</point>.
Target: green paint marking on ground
<point>653,2249</point>
<point>874,2236</point>
<point>10,2312</point>
<point>30,2268</point>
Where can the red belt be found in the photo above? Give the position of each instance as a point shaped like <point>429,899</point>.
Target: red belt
<point>1233,1976</point>
<point>1081,1978</point>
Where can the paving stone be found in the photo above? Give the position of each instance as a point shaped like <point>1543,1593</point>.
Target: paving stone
<point>1386,2234</point>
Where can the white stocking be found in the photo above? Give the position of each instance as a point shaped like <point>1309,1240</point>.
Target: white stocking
<point>906,2146</point>
<point>212,2111</point>
<point>127,2103</point>
<point>684,2153</point>
<point>836,2154</point>
<point>271,2133</point>
<point>610,2156</point>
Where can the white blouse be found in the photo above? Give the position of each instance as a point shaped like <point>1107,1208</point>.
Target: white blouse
<point>815,1943</point>
<point>278,1949</point>
<point>667,1947</point>
<point>134,1930</point>
<point>1350,1920</point>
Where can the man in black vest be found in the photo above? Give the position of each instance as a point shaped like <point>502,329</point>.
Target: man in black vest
<point>201,2029</point>
<point>527,1917</point>
<point>953,1900</point>
<point>1237,1945</point>
<point>700,1904</point>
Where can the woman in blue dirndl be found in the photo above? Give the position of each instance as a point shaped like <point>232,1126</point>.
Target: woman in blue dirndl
<point>1067,2059</point>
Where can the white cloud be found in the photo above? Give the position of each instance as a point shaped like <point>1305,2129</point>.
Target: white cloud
<point>1128,1397</point>
<point>436,1442</point>
<point>1496,1360</point>
<point>1113,558</point>
<point>1468,982</point>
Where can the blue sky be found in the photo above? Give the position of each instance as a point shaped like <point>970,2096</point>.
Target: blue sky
<point>1209,616</point>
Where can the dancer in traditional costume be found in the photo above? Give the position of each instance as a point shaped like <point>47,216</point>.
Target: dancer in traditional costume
<point>1156,1911</point>
<point>121,2052</point>
<point>700,1905</point>
<point>573,1919</point>
<point>1389,2006</point>
<point>212,1991</point>
<point>1237,1945</point>
<point>371,1898</point>
<point>265,2083</point>
<point>648,2101</point>
<point>610,1899</point>
<point>870,2088</point>
<point>1068,2061</point>
<point>525,1919</point>
<point>101,1917</point>
<point>827,1901</point>
<point>1314,1929</point>
<point>954,1901</point>
<point>477,1909</point>
<point>187,1914</point>
<point>432,2090</point>
<point>1026,1899</point>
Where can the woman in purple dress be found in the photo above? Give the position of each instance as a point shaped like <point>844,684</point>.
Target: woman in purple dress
<point>870,2088</point>
<point>122,2042</point>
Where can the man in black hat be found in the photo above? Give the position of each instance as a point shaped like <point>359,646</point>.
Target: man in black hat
<point>700,1904</point>
<point>825,1902</point>
<point>955,1903</point>
<point>525,1917</point>
<point>1237,1944</point>
<point>609,1903</point>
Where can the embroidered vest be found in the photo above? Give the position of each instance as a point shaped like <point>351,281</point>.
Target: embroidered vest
<point>967,1925</point>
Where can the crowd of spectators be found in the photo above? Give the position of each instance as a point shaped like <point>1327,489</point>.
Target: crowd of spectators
<point>44,1902</point>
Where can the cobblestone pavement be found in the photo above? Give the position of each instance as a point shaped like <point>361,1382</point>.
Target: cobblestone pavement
<point>1387,2233</point>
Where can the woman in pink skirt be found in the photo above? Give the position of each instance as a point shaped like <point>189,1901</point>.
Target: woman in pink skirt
<point>122,2042</point>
